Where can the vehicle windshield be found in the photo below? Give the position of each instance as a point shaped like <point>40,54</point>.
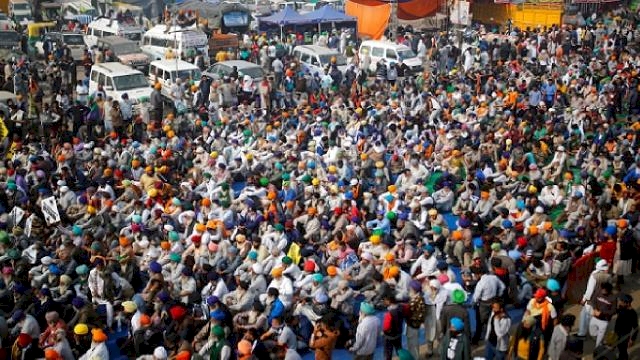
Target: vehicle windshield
<point>21,6</point>
<point>20,18</point>
<point>189,51</point>
<point>186,75</point>
<point>130,12</point>
<point>134,36</point>
<point>406,54</point>
<point>125,48</point>
<point>326,59</point>
<point>128,82</point>
<point>254,72</point>
<point>73,39</point>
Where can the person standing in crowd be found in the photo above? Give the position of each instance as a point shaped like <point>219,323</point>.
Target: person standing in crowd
<point>415,313</point>
<point>497,338</point>
<point>541,308</point>
<point>157,103</point>
<point>488,288</point>
<point>367,331</point>
<point>455,344</point>
<point>604,307</point>
<point>559,338</point>
<point>455,308</point>
<point>626,326</point>
<point>625,252</point>
<point>392,325</point>
<point>598,277</point>
<point>323,340</point>
<point>528,341</point>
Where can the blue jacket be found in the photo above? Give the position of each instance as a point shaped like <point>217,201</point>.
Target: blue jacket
<point>383,224</point>
<point>277,309</point>
<point>632,175</point>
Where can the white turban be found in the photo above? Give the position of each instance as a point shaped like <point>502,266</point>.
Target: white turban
<point>160,353</point>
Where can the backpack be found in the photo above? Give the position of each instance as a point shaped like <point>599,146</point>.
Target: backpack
<point>417,312</point>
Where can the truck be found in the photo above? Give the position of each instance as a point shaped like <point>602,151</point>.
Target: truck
<point>49,11</point>
<point>224,42</point>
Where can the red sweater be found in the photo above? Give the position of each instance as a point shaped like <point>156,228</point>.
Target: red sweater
<point>608,251</point>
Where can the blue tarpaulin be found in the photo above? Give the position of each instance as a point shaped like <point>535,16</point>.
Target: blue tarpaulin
<point>327,14</point>
<point>286,16</point>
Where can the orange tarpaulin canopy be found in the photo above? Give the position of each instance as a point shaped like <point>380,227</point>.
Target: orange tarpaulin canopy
<point>417,9</point>
<point>373,16</point>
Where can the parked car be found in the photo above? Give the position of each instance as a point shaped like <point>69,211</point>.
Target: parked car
<point>125,51</point>
<point>225,68</point>
<point>316,58</point>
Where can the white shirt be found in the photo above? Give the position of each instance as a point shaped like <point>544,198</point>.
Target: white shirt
<point>489,287</point>
<point>544,271</point>
<point>96,352</point>
<point>427,267</point>
<point>82,90</point>
<point>221,289</point>
<point>135,321</point>
<point>188,284</point>
<point>285,288</point>
<point>277,65</point>
<point>438,300</point>
<point>402,286</point>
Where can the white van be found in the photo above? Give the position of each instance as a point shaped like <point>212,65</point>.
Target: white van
<point>20,11</point>
<point>158,39</point>
<point>109,27</point>
<point>117,79</point>
<point>317,58</point>
<point>391,53</point>
<point>167,71</point>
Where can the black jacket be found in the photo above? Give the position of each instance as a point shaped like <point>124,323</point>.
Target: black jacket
<point>449,312</point>
<point>626,322</point>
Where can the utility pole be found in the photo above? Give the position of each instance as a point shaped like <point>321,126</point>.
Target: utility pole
<point>459,33</point>
<point>393,22</point>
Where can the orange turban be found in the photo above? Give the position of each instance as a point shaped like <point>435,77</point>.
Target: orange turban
<point>391,272</point>
<point>51,354</point>
<point>97,335</point>
<point>183,355</point>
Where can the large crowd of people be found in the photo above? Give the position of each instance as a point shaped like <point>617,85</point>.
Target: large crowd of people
<point>310,212</point>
